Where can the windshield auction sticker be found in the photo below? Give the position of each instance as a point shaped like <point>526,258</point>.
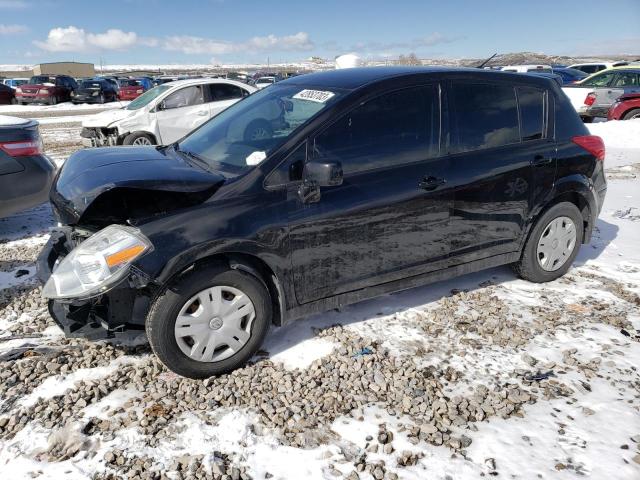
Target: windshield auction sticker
<point>319,96</point>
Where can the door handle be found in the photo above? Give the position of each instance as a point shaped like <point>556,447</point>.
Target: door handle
<point>431,183</point>
<point>539,160</point>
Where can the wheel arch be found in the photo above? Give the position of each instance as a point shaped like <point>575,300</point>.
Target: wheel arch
<point>248,263</point>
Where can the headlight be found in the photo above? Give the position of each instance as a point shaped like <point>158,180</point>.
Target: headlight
<point>95,94</point>
<point>97,264</point>
<point>43,91</point>
<point>73,94</point>
<point>18,90</point>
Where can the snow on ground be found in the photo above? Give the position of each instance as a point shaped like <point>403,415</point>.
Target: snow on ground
<point>565,351</point>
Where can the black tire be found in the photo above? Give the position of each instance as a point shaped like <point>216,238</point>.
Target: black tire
<point>14,101</point>
<point>53,100</point>
<point>587,119</point>
<point>528,267</point>
<point>101,98</point>
<point>162,316</point>
<point>634,113</point>
<point>132,137</point>
<point>262,126</point>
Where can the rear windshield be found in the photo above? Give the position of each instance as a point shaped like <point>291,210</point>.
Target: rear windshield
<point>92,84</point>
<point>42,79</point>
<point>130,83</point>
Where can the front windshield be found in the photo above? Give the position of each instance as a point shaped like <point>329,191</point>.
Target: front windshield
<point>246,133</point>
<point>147,97</point>
<point>41,79</point>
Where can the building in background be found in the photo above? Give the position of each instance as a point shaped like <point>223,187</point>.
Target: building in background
<point>73,69</point>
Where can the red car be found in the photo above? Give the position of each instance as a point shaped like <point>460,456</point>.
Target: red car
<point>625,107</point>
<point>6,94</point>
<point>131,89</point>
<point>49,89</point>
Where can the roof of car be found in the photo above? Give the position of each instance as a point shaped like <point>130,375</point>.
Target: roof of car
<point>200,81</point>
<point>353,78</point>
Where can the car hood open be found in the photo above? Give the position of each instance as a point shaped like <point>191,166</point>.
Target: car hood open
<point>118,184</point>
<point>105,119</point>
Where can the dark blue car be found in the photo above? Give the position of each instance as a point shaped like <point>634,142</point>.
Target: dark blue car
<point>570,75</point>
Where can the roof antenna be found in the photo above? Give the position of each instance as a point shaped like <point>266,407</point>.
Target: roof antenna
<point>487,60</point>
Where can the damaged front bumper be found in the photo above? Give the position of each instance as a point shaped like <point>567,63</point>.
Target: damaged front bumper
<point>99,137</point>
<point>119,313</point>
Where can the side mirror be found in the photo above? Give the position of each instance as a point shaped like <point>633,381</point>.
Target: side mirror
<point>323,174</point>
<point>160,107</point>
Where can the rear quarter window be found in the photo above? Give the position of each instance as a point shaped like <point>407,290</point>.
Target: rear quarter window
<point>485,116</point>
<point>532,105</point>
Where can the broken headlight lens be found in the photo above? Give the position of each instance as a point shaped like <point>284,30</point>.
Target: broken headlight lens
<point>97,264</point>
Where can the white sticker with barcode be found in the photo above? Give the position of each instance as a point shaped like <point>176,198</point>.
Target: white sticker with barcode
<point>320,96</point>
<point>255,158</point>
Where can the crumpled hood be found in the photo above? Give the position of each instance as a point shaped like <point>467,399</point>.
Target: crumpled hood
<point>105,119</point>
<point>88,175</point>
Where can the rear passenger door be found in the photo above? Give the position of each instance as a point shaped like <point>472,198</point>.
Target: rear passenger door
<point>223,95</point>
<point>389,218</point>
<point>502,160</point>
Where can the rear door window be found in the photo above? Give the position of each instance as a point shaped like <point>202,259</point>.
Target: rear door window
<point>393,129</point>
<point>531,102</point>
<point>485,116</point>
<point>627,79</point>
<point>222,91</point>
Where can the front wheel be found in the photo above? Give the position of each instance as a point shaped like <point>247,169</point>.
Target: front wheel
<point>552,245</point>
<point>210,321</point>
<point>139,139</point>
<point>635,113</point>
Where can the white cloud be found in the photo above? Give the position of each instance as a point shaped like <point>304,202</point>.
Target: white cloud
<point>12,29</point>
<point>13,4</point>
<point>74,39</point>
<point>198,45</point>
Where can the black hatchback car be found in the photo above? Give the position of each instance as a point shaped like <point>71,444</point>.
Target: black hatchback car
<point>95,91</point>
<point>376,180</point>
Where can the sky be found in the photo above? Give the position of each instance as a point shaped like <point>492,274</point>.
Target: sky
<point>244,31</point>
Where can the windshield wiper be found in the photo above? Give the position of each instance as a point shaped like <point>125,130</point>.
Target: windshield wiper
<point>193,156</point>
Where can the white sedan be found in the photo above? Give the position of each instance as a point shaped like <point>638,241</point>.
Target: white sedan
<point>163,114</point>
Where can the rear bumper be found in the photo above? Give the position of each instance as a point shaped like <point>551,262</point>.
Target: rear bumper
<point>119,313</point>
<point>596,112</point>
<point>27,188</point>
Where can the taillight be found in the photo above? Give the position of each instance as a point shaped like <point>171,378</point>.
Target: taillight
<point>590,100</point>
<point>139,91</point>
<point>592,144</point>
<point>22,148</point>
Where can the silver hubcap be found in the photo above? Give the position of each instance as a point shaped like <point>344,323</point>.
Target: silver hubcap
<point>214,324</point>
<point>556,243</point>
<point>142,141</point>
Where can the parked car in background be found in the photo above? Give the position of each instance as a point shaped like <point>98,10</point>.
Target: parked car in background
<point>263,82</point>
<point>553,76</point>
<point>98,90</point>
<point>527,68</point>
<point>7,95</point>
<point>163,114</point>
<point>596,67</point>
<point>570,75</point>
<point>49,89</point>
<point>593,96</point>
<point>362,191</point>
<point>26,173</point>
<point>132,88</point>
<point>626,107</point>
<point>162,80</point>
<point>15,82</point>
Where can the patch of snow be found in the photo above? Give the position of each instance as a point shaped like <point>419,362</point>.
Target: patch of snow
<point>6,121</point>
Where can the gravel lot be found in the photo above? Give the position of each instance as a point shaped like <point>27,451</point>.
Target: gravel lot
<point>484,375</point>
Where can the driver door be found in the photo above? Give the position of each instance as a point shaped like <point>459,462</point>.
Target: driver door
<point>180,113</point>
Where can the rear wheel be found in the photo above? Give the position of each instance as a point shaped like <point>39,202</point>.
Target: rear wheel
<point>552,245</point>
<point>53,100</point>
<point>139,139</point>
<point>209,322</point>
<point>635,113</point>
